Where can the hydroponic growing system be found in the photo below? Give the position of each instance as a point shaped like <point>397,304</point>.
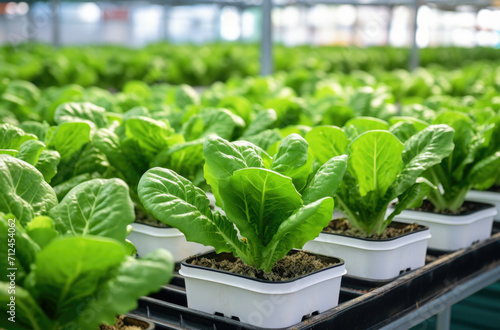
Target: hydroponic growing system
<point>187,186</point>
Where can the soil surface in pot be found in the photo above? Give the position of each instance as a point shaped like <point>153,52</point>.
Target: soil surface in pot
<point>467,208</point>
<point>495,189</point>
<point>290,267</point>
<point>120,325</point>
<point>142,217</point>
<point>343,227</point>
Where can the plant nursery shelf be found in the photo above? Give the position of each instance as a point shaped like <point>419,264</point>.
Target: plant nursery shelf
<point>444,280</point>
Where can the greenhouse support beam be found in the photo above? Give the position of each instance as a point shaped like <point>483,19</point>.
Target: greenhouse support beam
<point>165,22</point>
<point>415,53</point>
<point>444,319</point>
<point>56,35</point>
<point>446,300</point>
<point>266,43</point>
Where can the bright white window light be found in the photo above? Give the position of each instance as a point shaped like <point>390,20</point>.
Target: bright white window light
<point>487,38</point>
<point>230,23</point>
<point>248,24</point>
<point>345,15</point>
<point>22,8</point>
<point>291,17</point>
<point>319,16</point>
<point>10,8</point>
<point>89,12</point>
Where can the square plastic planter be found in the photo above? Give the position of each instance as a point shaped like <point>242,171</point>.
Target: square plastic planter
<point>453,232</point>
<point>259,302</point>
<point>373,259</point>
<point>147,238</point>
<point>486,197</point>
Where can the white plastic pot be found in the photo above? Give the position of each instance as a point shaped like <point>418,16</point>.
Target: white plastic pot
<point>453,232</point>
<point>147,238</point>
<point>374,259</point>
<point>487,197</point>
<point>258,302</point>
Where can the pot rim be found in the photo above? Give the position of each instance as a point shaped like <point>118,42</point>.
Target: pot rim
<point>419,229</point>
<point>340,263</point>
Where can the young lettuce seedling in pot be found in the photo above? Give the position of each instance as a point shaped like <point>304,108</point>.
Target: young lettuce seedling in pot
<point>265,215</point>
<point>381,169</point>
<point>473,163</point>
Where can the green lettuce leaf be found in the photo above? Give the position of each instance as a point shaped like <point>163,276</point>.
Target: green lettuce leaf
<point>374,168</point>
<point>98,207</point>
<point>25,194</point>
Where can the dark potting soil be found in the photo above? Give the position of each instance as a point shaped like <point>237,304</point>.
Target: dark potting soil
<point>343,227</point>
<point>142,217</point>
<point>290,267</point>
<point>495,189</point>
<point>120,325</point>
<point>467,208</point>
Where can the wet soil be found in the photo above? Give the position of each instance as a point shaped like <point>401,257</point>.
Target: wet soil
<point>120,325</point>
<point>495,189</point>
<point>467,208</point>
<point>395,229</point>
<point>290,267</point>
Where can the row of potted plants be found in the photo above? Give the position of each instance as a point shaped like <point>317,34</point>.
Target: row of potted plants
<point>247,193</point>
<point>286,180</point>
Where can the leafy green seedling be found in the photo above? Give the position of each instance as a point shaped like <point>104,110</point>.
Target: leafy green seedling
<point>265,215</point>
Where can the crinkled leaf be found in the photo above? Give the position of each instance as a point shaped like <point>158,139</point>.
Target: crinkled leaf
<point>403,130</point>
<point>411,198</point>
<point>70,269</point>
<point>119,295</point>
<point>91,160</point>
<point>222,158</point>
<point>109,143</point>
<point>485,172</point>
<point>86,112</point>
<point>238,105</point>
<point>253,155</point>
<point>177,202</point>
<point>258,200</point>
<point>301,227</point>
<point>326,180</point>
<point>422,151</point>
<point>98,207</point>
<point>264,139</point>
<point>263,120</point>
<point>30,150</point>
<point>293,160</point>
<point>69,138</point>
<point>185,159</point>
<point>25,194</point>
<point>35,128</point>
<point>47,164</point>
<point>151,135</point>
<point>220,122</point>
<point>12,137</point>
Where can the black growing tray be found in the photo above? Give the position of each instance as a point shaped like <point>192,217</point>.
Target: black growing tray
<point>362,304</point>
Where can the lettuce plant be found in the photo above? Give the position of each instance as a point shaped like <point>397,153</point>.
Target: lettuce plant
<point>473,163</point>
<point>76,282</point>
<point>271,205</point>
<point>73,265</point>
<point>381,169</point>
